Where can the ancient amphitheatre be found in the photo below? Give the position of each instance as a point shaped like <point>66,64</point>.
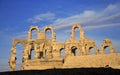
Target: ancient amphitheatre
<point>47,52</point>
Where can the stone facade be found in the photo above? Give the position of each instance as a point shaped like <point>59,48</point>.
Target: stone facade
<point>47,52</point>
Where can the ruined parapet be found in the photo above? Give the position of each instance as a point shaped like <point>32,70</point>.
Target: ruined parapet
<point>30,32</point>
<point>82,36</point>
<point>107,43</point>
<point>52,31</point>
<point>47,52</point>
<point>13,58</point>
<point>90,44</point>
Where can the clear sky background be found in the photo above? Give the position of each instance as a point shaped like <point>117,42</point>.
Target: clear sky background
<point>100,19</point>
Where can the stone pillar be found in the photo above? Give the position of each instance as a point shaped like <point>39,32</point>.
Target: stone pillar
<point>55,51</point>
<point>25,57</point>
<point>29,36</point>
<point>26,52</point>
<point>96,49</point>
<point>68,51</point>
<point>102,51</point>
<point>37,51</point>
<point>12,60</point>
<point>79,51</point>
<point>83,47</point>
<point>53,36</point>
<point>42,50</point>
<point>29,47</point>
<point>72,34</point>
<point>112,50</point>
<point>82,35</point>
<point>49,52</point>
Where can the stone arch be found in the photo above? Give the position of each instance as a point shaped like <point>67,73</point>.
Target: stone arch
<point>90,44</point>
<point>26,53</point>
<point>74,51</point>
<point>62,50</point>
<point>12,60</point>
<point>52,31</point>
<point>30,32</point>
<point>107,43</point>
<point>88,48</point>
<point>82,36</point>
<point>16,41</point>
<point>105,48</point>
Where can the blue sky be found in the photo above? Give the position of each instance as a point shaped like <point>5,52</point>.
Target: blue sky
<point>100,19</point>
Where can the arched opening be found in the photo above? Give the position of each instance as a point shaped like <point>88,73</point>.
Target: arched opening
<point>34,34</point>
<point>77,34</point>
<point>107,49</point>
<point>74,51</point>
<point>62,52</point>
<point>32,54</point>
<point>91,50</point>
<point>48,34</point>
<point>19,53</point>
<point>41,55</point>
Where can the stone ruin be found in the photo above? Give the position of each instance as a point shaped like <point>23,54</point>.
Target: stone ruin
<point>47,52</point>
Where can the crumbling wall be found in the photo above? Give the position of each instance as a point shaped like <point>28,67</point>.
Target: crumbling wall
<point>47,51</point>
<point>100,60</point>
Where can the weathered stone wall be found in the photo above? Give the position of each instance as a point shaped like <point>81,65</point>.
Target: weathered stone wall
<point>100,60</point>
<point>88,61</point>
<point>47,51</point>
<point>41,64</point>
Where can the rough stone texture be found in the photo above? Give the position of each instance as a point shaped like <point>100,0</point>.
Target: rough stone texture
<point>47,52</point>
<point>99,60</point>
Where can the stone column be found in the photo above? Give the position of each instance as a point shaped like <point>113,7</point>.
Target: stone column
<point>102,50</point>
<point>36,48</point>
<point>12,60</point>
<point>26,54</point>
<point>83,46</point>
<point>79,51</point>
<point>82,36</point>
<point>68,51</point>
<point>72,35</point>
<point>55,51</point>
<point>29,47</point>
<point>96,49</point>
<point>112,50</point>
<point>53,36</point>
<point>49,52</point>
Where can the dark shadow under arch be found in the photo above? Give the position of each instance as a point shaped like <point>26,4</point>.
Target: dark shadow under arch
<point>74,50</point>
